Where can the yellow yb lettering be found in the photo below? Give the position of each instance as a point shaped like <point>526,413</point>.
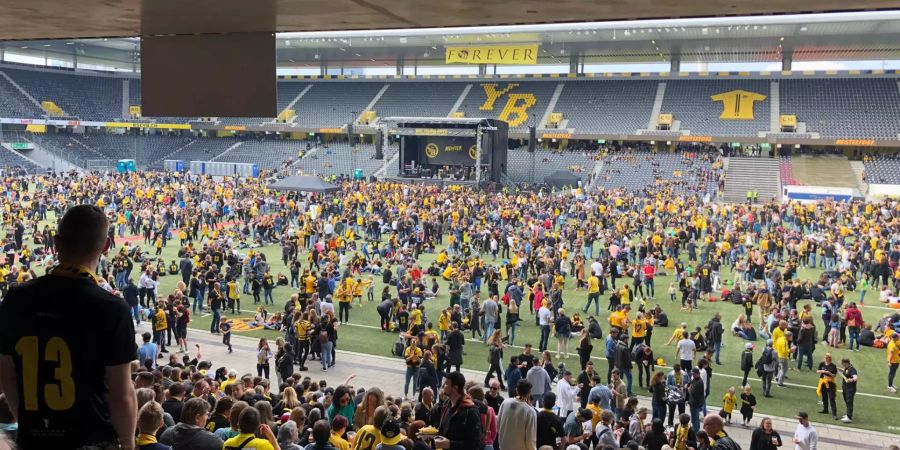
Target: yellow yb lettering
<point>517,106</point>
<point>492,94</point>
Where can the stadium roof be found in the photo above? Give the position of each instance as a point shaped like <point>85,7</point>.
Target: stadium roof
<point>59,19</point>
<point>811,37</point>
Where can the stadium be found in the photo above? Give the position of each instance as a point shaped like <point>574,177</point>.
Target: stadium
<point>396,199</point>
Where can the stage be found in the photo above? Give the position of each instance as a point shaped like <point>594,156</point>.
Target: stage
<point>432,181</point>
<point>448,151</point>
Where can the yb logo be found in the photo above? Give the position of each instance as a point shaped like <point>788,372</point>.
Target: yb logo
<point>515,111</point>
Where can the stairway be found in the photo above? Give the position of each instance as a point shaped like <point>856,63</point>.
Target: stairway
<point>372,103</point>
<point>551,105</point>
<point>19,88</point>
<point>169,155</point>
<point>859,169</point>
<point>752,174</point>
<point>45,158</point>
<point>597,173</point>
<point>89,148</point>
<point>460,100</point>
<point>657,105</point>
<point>227,151</point>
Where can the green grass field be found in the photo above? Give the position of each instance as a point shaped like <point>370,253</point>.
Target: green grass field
<point>873,402</point>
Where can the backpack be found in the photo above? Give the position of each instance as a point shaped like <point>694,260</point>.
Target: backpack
<point>323,337</point>
<point>398,349</point>
<point>766,357</point>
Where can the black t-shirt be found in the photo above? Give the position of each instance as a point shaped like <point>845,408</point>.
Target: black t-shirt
<point>215,300</point>
<point>529,363</point>
<point>829,367</point>
<point>216,422</point>
<point>62,333</point>
<point>403,320</point>
<point>849,373</point>
<point>549,427</point>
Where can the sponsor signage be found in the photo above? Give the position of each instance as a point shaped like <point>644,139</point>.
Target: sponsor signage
<point>492,54</point>
<point>856,142</point>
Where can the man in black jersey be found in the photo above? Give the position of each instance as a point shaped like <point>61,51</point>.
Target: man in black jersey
<point>66,347</point>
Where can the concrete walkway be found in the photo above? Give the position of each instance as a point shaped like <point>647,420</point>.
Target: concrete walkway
<point>387,373</point>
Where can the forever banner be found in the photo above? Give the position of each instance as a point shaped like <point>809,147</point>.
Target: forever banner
<point>493,54</point>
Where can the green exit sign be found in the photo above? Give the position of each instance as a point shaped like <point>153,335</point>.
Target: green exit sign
<point>20,146</point>
<point>601,141</point>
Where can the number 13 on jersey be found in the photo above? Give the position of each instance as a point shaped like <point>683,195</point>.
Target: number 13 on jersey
<point>58,396</point>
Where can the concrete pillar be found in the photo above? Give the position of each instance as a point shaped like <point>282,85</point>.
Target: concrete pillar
<point>323,67</point>
<point>675,63</point>
<point>574,63</point>
<point>399,65</point>
<point>482,70</point>
<point>787,58</point>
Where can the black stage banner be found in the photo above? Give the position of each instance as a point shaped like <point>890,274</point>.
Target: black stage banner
<point>447,151</point>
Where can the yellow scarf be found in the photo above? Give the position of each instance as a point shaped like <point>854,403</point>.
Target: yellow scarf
<point>75,271</point>
<point>824,382</point>
<point>145,439</point>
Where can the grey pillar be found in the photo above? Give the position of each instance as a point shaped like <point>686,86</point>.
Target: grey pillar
<point>573,63</point>
<point>675,63</point>
<point>482,70</point>
<point>400,65</point>
<point>323,67</point>
<point>787,58</point>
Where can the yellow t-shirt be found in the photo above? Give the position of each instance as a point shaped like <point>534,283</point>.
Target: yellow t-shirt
<point>617,319</point>
<point>893,352</point>
<point>639,328</point>
<point>161,323</point>
<point>777,333</point>
<point>625,295</point>
<point>593,284</point>
<point>444,322</point>
<point>338,442</point>
<point>367,438</point>
<point>256,443</point>
<point>415,317</point>
<point>782,348</point>
<point>728,402</point>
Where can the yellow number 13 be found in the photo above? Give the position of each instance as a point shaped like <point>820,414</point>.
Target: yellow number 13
<point>58,396</point>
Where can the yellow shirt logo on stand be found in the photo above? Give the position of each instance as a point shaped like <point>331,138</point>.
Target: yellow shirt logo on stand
<point>738,104</point>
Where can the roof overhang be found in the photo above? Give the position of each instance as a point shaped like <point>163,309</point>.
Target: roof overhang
<point>58,19</point>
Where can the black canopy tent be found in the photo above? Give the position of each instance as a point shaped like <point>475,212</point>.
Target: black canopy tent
<point>303,183</point>
<point>561,179</point>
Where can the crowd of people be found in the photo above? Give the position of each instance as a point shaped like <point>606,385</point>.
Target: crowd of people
<point>499,256</point>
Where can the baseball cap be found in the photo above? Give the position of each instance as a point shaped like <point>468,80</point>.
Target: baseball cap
<point>232,373</point>
<point>802,415</point>
<point>390,432</point>
<point>695,371</point>
<point>748,346</point>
